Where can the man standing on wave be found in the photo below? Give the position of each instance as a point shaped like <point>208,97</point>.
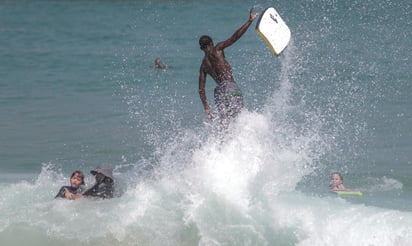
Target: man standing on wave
<point>228,96</point>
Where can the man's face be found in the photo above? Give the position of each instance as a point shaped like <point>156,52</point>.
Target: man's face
<point>99,177</point>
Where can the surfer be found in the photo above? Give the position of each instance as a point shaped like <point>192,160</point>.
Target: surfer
<point>227,94</point>
<point>74,190</point>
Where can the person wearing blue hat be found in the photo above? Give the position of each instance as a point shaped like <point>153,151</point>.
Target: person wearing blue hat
<point>104,186</point>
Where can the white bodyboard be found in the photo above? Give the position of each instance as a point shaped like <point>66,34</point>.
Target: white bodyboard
<point>273,30</point>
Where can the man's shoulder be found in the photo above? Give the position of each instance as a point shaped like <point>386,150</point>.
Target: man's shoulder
<point>222,45</point>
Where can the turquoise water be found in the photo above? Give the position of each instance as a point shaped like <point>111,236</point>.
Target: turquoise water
<point>77,88</point>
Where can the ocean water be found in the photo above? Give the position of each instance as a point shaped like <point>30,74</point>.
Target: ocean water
<point>78,88</point>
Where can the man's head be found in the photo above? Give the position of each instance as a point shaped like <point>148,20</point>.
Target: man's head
<point>104,170</point>
<point>205,41</point>
<point>158,61</point>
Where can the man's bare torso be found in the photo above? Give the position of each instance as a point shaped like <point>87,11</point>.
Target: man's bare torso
<point>215,64</point>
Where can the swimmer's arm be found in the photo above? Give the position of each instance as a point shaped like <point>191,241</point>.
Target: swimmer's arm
<point>71,196</point>
<point>336,188</point>
<point>77,196</point>
<point>202,94</point>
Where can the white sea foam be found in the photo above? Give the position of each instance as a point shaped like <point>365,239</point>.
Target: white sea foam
<point>235,190</point>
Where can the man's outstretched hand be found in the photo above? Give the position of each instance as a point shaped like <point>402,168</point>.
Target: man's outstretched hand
<point>252,15</point>
<point>209,116</point>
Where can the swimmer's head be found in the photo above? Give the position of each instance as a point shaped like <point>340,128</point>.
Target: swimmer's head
<point>205,41</point>
<point>336,178</point>
<point>77,179</point>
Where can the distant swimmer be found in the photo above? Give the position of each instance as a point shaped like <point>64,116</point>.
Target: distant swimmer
<point>227,94</point>
<point>159,64</point>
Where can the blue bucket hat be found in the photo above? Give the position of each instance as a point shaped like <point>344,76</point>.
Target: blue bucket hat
<point>104,169</point>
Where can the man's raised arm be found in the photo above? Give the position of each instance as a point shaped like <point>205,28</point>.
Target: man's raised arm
<point>239,32</point>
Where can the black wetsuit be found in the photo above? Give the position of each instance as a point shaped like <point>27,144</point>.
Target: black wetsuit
<point>103,190</point>
<point>69,188</point>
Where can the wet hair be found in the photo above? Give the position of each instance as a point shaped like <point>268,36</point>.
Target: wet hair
<point>205,41</point>
<point>337,173</point>
<point>80,174</point>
